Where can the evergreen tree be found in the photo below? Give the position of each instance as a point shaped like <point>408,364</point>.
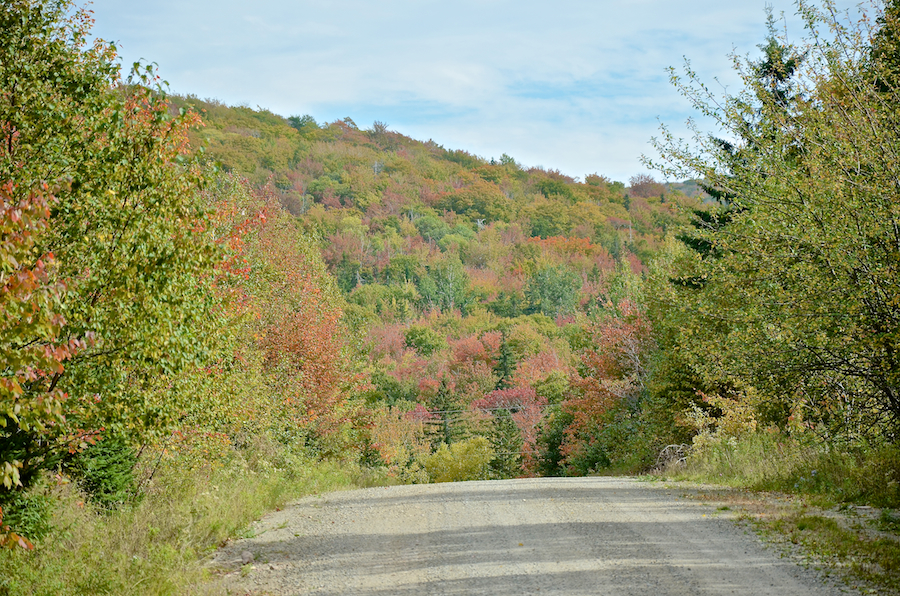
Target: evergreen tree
<point>799,301</point>
<point>506,364</point>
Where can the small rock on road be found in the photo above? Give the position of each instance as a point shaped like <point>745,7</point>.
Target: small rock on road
<point>543,536</point>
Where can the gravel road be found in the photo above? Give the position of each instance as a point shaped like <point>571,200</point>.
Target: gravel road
<point>614,536</point>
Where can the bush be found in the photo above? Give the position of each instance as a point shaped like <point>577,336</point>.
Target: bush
<point>465,460</point>
<point>105,471</point>
<point>27,512</point>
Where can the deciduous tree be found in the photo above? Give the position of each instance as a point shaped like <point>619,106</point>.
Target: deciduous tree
<point>795,292</point>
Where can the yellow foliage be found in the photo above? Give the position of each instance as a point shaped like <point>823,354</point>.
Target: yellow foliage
<point>465,460</point>
<point>400,441</point>
<point>738,419</point>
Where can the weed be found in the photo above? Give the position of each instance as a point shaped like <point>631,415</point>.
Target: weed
<point>826,477</point>
<point>152,546</point>
<point>28,513</point>
<point>105,471</point>
<point>874,560</point>
<point>889,521</point>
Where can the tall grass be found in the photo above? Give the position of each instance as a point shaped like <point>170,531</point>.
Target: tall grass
<point>825,474</point>
<point>851,472</point>
<point>153,546</point>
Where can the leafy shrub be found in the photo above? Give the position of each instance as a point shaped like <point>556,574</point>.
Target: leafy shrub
<point>466,460</point>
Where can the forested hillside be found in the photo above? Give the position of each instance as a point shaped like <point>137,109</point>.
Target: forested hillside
<point>477,287</point>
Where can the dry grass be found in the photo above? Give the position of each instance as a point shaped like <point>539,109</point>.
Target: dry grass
<point>154,546</point>
<point>832,506</point>
<point>827,473</point>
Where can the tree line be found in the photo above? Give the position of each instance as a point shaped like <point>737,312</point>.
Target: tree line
<point>179,278</point>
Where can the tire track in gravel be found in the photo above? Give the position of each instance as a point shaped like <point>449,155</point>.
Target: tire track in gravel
<point>555,536</point>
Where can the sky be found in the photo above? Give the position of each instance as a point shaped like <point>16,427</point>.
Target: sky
<point>578,86</point>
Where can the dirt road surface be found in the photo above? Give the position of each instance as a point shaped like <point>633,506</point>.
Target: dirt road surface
<point>559,536</point>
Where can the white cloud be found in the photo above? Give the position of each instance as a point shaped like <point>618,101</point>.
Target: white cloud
<point>574,84</point>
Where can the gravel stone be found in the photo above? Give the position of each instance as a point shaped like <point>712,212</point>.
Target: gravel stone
<point>556,536</point>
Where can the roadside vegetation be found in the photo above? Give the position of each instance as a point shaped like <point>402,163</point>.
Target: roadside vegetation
<point>173,358</point>
<point>154,545</point>
<point>831,507</point>
<point>206,310</point>
<point>780,304</point>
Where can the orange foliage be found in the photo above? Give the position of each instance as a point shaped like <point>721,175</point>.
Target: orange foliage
<point>472,362</point>
<point>410,367</point>
<point>9,539</point>
<point>491,342</point>
<point>387,342</point>
<point>285,289</point>
<point>535,369</point>
<point>472,349</point>
<point>614,371</point>
<point>428,387</point>
<point>634,261</point>
<point>564,245</point>
<point>484,280</point>
<point>513,282</point>
<point>473,378</point>
<point>304,333</point>
<point>31,361</point>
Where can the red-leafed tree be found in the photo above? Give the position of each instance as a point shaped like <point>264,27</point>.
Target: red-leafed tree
<point>523,407</point>
<point>612,376</point>
<point>301,331</point>
<point>31,353</point>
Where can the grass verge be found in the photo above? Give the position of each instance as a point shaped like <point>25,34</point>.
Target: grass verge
<point>770,461</point>
<point>833,505</point>
<point>153,546</point>
<point>830,543</point>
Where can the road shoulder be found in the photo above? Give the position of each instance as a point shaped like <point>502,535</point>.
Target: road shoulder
<point>856,546</point>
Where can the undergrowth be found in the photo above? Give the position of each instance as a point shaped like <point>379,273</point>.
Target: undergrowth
<point>830,473</point>
<point>877,561</point>
<point>823,475</point>
<point>153,545</point>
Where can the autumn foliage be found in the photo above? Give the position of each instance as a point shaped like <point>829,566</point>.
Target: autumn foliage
<point>30,328</point>
<point>152,310</point>
<point>613,372</point>
<point>302,336</point>
<point>357,294</point>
